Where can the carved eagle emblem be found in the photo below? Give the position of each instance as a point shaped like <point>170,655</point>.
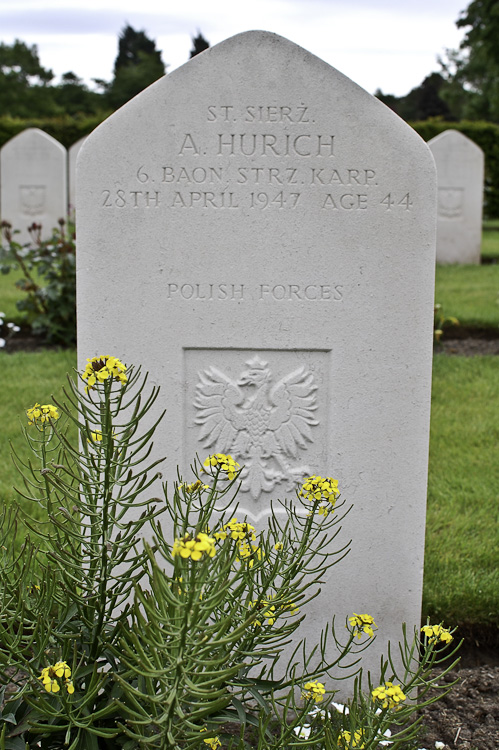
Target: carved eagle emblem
<point>263,424</point>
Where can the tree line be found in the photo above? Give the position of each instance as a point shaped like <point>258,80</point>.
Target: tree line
<point>27,91</point>
<point>465,88</point>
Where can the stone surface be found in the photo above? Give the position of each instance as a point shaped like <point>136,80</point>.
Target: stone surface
<point>72,156</point>
<point>460,166</point>
<point>33,182</point>
<point>255,221</point>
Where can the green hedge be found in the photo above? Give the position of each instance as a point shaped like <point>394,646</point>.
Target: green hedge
<point>485,135</point>
<point>65,129</point>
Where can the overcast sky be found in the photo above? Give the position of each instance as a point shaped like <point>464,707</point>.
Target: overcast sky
<point>386,44</point>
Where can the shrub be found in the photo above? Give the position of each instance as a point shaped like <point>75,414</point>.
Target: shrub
<point>50,306</point>
<point>108,643</point>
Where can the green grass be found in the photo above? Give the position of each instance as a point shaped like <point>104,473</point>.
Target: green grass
<point>490,245</point>
<point>9,294</point>
<point>470,293</point>
<point>461,582</point>
<point>27,378</point>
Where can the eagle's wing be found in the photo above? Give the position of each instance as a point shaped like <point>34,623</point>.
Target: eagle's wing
<point>294,403</point>
<point>217,398</point>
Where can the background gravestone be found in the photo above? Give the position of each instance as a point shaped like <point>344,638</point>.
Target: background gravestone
<point>460,170</point>
<point>33,182</point>
<point>255,220</point>
<point>72,156</point>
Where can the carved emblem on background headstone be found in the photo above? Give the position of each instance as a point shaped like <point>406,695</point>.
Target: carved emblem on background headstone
<point>262,424</point>
<point>450,202</point>
<point>32,198</point>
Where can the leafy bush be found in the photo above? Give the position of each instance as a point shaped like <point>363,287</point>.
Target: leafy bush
<point>177,643</point>
<point>50,306</point>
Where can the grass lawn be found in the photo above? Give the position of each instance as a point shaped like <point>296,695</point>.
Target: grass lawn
<point>462,556</point>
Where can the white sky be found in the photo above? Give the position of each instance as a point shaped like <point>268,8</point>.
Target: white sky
<point>386,44</point>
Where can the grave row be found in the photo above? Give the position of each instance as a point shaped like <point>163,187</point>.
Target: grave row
<point>37,181</point>
<point>37,178</point>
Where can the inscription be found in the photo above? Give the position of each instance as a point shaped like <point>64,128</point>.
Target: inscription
<point>216,171</point>
<point>205,292</point>
<point>262,424</point>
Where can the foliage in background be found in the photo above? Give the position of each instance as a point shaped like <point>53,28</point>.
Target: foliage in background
<point>472,71</point>
<point>64,128</point>
<point>48,281</point>
<point>110,644</point>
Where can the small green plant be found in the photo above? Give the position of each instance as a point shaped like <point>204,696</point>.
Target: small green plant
<point>440,321</point>
<point>49,279</point>
<point>7,330</point>
<point>110,642</point>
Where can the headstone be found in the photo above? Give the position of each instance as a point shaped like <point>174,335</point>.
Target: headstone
<point>72,156</point>
<point>33,182</point>
<point>460,165</point>
<point>256,221</point>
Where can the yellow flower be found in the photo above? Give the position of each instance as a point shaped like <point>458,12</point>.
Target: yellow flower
<point>59,670</point>
<point>213,742</point>
<point>269,609</point>
<point>314,690</point>
<point>224,463</point>
<point>362,624</point>
<point>324,489</point>
<point>190,488</point>
<point>249,553</point>
<point>345,739</point>
<point>40,414</point>
<point>389,695</point>
<point>436,633</point>
<point>100,369</point>
<point>237,531</point>
<point>194,547</point>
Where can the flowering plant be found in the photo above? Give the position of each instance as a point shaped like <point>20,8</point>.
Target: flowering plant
<point>109,641</point>
<point>48,281</point>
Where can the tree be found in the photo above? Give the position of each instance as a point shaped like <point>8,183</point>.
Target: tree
<point>199,44</point>
<point>137,65</point>
<point>24,82</point>
<point>75,98</point>
<point>420,103</point>
<point>472,72</point>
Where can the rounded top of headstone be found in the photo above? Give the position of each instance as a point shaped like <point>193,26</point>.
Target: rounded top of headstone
<point>453,139</point>
<point>33,137</point>
<point>258,63</point>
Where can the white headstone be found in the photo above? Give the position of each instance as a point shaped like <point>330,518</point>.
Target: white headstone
<point>256,218</point>
<point>72,156</point>
<point>460,165</point>
<point>33,182</point>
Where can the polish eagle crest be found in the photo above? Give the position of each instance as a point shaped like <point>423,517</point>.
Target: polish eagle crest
<point>264,425</point>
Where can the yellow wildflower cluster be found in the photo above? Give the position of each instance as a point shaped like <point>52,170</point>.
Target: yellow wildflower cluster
<point>436,633</point>
<point>195,547</point>
<point>41,414</point>
<point>321,488</point>
<point>193,487</point>
<point>270,611</point>
<point>238,531</point>
<point>345,739</point>
<point>362,624</point>
<point>389,695</point>
<point>51,675</point>
<point>213,742</point>
<point>224,463</point>
<point>249,553</point>
<point>100,369</point>
<point>314,690</point>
